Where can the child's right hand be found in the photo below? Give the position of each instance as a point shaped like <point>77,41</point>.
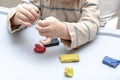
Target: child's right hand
<point>25,15</point>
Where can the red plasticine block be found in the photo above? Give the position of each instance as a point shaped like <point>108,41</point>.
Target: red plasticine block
<point>44,48</point>
<point>39,49</point>
<point>38,45</point>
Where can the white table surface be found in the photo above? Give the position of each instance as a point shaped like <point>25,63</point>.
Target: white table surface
<point>18,61</point>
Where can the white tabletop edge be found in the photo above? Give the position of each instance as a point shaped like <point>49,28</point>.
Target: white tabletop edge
<point>4,10</point>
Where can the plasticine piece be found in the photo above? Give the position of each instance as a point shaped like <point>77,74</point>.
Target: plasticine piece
<point>64,58</point>
<point>68,72</point>
<point>111,62</point>
<point>39,49</point>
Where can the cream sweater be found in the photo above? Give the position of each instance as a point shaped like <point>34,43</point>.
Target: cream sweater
<point>80,16</point>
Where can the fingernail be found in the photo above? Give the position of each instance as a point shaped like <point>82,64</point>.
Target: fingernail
<point>38,11</point>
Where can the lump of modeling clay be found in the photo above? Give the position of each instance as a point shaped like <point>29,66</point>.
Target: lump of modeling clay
<point>64,58</point>
<point>68,72</point>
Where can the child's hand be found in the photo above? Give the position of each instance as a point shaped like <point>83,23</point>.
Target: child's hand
<point>47,41</point>
<point>25,15</point>
<point>52,28</point>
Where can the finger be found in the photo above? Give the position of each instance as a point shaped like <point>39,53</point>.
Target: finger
<point>33,10</point>
<point>42,29</point>
<point>47,41</point>
<point>38,27</point>
<point>26,12</point>
<point>36,9</point>
<point>23,17</point>
<point>44,23</point>
<point>23,23</point>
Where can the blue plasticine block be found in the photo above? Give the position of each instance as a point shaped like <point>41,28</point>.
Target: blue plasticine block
<point>111,62</point>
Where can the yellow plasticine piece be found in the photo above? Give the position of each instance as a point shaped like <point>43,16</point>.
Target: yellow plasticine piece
<point>68,72</point>
<point>64,58</point>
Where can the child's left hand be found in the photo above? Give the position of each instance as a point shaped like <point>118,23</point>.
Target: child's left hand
<point>51,28</point>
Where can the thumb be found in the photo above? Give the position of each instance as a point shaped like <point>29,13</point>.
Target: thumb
<point>47,41</point>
